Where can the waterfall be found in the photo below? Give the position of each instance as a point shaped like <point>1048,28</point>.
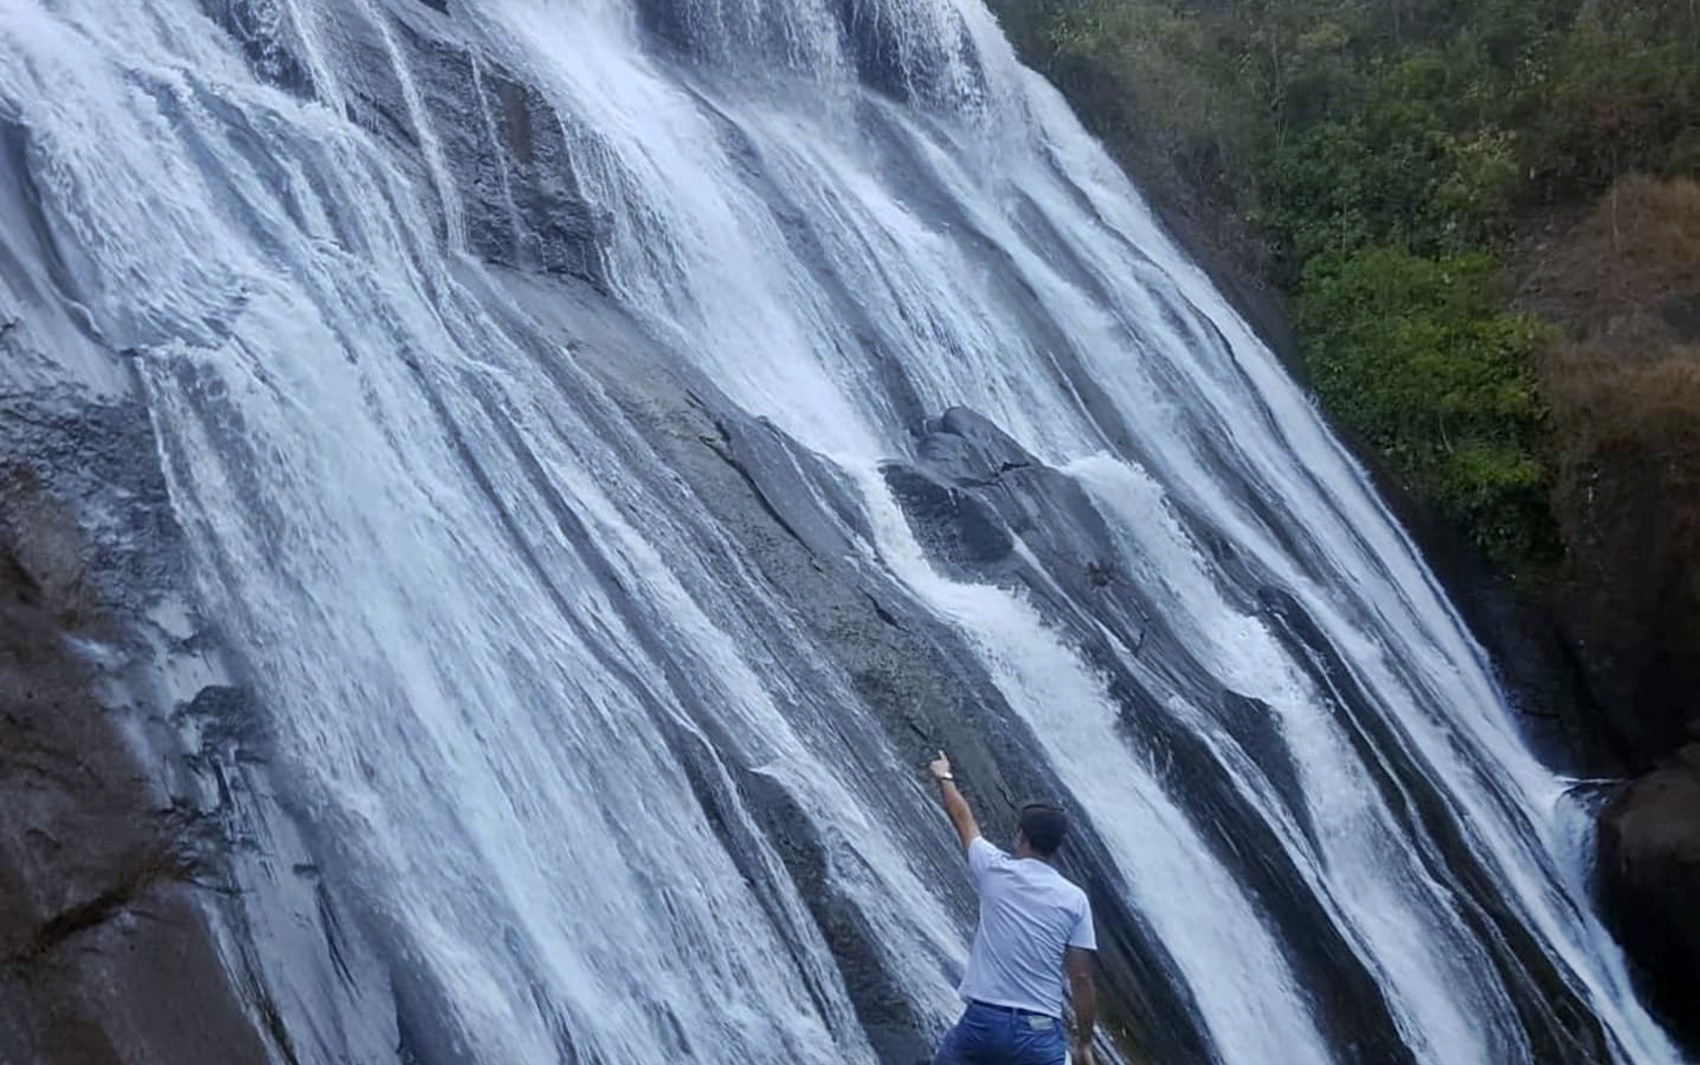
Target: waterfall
<point>615,441</point>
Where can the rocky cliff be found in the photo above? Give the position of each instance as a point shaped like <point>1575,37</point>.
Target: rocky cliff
<point>112,914</point>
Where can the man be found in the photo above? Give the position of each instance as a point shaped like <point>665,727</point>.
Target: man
<point>1033,925</point>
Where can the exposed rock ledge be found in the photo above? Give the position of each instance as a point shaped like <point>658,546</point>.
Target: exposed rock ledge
<point>1649,862</point>
<point>107,950</point>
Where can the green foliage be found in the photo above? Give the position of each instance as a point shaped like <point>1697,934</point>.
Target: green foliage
<point>1618,93</point>
<point>1385,151</point>
<point>1415,356</point>
<point>1393,169</point>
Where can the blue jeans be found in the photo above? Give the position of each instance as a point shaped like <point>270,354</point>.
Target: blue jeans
<point>996,1035</point>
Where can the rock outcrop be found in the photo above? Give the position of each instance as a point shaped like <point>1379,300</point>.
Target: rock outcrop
<point>157,904</point>
<point>107,950</point>
<point>1649,864</point>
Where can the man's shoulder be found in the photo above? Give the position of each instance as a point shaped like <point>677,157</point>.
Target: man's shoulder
<point>983,855</point>
<point>1077,895</point>
<point>1070,892</point>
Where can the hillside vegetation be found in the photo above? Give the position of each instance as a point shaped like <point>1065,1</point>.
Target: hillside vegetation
<point>1481,217</point>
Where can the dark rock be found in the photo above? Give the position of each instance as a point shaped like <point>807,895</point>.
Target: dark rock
<point>887,1017</point>
<point>970,450</point>
<point>1631,612</point>
<point>884,47</point>
<point>937,66</point>
<point>955,528</point>
<point>507,153</point>
<point>973,492</point>
<point>502,146</point>
<point>128,935</point>
<point>1682,315</point>
<point>1649,870</point>
<point>106,953</point>
<point>267,39</point>
<point>507,149</point>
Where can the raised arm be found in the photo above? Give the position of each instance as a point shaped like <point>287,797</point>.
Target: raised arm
<point>1084,994</point>
<point>954,804</point>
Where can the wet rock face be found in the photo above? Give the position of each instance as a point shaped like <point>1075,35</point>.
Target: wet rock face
<point>264,31</point>
<point>508,155</point>
<point>972,492</point>
<point>122,939</point>
<point>105,953</point>
<point>474,132</point>
<point>1649,868</point>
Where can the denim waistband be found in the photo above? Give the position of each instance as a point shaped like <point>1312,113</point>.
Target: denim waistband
<point>1017,1010</point>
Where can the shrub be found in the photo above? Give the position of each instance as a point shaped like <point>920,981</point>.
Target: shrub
<point>1415,355</point>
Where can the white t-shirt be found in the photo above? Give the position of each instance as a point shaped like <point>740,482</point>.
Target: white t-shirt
<point>1029,914</point>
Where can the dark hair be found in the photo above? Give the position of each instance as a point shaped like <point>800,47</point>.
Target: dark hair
<point>1044,824</point>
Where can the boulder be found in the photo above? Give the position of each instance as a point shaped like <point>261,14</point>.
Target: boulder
<point>1649,868</point>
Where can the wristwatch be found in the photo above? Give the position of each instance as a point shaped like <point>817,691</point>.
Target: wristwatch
<point>948,776</point>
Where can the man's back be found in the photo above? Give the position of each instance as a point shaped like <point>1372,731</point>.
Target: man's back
<point>1029,916</point>
<point>1034,927</point>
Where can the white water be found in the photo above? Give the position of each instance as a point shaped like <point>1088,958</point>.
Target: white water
<point>482,709</point>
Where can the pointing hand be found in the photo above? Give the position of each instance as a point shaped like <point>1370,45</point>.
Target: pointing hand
<point>940,767</point>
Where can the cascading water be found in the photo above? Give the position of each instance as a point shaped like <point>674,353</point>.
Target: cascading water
<point>553,399</point>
